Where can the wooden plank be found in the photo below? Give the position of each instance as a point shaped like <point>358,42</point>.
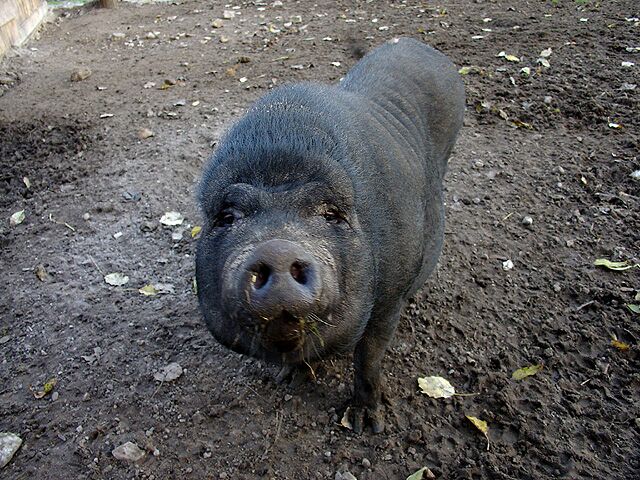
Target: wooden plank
<point>18,20</point>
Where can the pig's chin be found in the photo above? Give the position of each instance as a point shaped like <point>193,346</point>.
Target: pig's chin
<point>283,334</point>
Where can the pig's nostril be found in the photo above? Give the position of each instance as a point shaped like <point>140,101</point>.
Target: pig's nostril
<point>299,272</point>
<point>260,276</point>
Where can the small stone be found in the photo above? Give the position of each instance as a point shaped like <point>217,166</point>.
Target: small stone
<point>177,235</point>
<point>548,99</point>
<point>346,475</point>
<point>80,74</point>
<point>224,39</point>
<point>9,445</point>
<point>151,36</point>
<point>4,339</point>
<point>557,287</point>
<point>144,133</point>
<point>217,23</point>
<point>507,265</point>
<point>635,174</point>
<point>287,397</point>
<point>129,452</point>
<point>228,14</point>
<point>118,36</point>
<point>169,373</point>
<point>206,455</point>
<point>558,169</point>
<point>86,216</point>
<point>54,396</point>
<point>366,463</point>
<point>527,221</point>
<point>277,3</point>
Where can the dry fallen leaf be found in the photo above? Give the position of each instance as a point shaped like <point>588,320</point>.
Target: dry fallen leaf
<point>17,218</point>
<point>344,421</point>
<point>47,389</point>
<point>469,69</point>
<point>116,279</point>
<point>436,387</point>
<point>480,425</point>
<point>195,231</point>
<point>41,273</point>
<point>423,473</point>
<point>171,219</point>
<point>525,372</point>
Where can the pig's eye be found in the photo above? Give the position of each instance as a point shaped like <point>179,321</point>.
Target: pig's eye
<point>226,218</point>
<point>333,216</point>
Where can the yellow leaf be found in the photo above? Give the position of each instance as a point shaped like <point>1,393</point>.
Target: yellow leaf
<point>623,347</point>
<point>480,425</point>
<point>511,58</point>
<point>195,231</point>
<point>525,372</point>
<point>48,388</point>
<point>419,475</point>
<point>148,290</point>
<point>618,266</point>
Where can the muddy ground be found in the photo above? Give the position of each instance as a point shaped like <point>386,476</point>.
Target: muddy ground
<point>558,145</point>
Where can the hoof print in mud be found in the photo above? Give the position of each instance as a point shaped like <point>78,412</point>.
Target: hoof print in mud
<point>324,213</point>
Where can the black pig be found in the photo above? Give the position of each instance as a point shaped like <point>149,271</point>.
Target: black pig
<point>324,213</point>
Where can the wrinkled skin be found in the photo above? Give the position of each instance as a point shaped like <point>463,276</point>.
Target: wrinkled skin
<point>323,213</point>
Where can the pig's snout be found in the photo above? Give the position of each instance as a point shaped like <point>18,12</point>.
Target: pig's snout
<point>281,277</point>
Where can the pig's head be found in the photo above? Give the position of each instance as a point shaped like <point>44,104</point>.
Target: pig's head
<point>284,272</point>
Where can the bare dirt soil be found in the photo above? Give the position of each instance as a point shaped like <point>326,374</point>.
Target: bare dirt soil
<point>558,144</point>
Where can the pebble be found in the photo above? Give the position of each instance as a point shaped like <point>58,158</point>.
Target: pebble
<point>129,452</point>
<point>635,174</point>
<point>527,221</point>
<point>54,396</point>
<point>217,23</point>
<point>80,74</point>
<point>346,475</point>
<point>507,265</point>
<point>366,463</point>
<point>144,133</point>
<point>118,35</point>
<point>228,14</point>
<point>169,373</point>
<point>9,445</point>
<point>4,339</point>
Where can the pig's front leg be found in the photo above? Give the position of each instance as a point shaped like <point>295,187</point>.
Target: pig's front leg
<point>368,380</point>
